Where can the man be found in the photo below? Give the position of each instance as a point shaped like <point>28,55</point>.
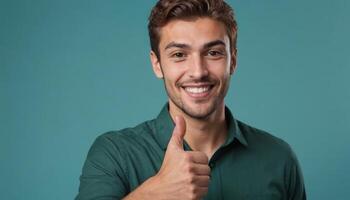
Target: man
<point>207,154</point>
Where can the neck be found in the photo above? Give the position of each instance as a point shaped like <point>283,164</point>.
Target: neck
<point>205,135</point>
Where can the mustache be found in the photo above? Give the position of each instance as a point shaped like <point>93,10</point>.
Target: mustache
<point>202,80</point>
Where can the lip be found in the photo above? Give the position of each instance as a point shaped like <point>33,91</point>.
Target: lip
<point>197,85</point>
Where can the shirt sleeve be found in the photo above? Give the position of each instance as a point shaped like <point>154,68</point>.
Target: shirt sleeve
<point>103,177</point>
<point>296,187</point>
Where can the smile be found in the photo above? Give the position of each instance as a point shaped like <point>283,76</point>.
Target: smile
<point>201,91</point>
<point>197,90</point>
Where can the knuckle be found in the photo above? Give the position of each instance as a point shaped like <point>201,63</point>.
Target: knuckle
<point>208,170</point>
<point>205,158</point>
<point>207,181</point>
<point>191,180</point>
<point>192,189</point>
<point>195,194</point>
<point>190,169</point>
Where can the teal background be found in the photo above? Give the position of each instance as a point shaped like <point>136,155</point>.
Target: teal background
<point>71,70</point>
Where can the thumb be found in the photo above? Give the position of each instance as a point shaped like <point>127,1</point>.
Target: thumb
<point>178,133</point>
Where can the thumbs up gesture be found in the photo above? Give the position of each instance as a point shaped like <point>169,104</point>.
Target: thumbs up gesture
<point>183,174</point>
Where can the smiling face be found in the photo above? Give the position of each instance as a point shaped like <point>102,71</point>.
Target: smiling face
<point>195,63</point>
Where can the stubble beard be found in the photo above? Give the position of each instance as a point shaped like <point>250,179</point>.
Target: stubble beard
<point>201,114</point>
<point>191,112</point>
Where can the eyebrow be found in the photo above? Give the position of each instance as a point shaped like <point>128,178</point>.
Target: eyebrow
<point>214,43</point>
<point>186,46</point>
<point>177,45</point>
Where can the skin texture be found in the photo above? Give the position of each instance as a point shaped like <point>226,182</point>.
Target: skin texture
<point>186,61</point>
<point>194,53</point>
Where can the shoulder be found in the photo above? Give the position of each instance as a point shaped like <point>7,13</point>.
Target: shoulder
<point>266,143</point>
<point>276,157</point>
<point>127,138</point>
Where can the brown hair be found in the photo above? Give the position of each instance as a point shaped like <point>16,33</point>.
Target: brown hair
<point>167,10</point>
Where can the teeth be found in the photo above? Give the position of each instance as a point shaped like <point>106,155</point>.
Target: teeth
<point>197,89</point>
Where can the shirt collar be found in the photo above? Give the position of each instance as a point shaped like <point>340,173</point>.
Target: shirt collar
<point>164,125</point>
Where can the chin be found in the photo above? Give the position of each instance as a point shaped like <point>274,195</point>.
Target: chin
<point>199,111</point>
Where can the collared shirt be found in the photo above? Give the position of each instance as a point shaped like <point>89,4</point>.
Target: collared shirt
<point>250,165</point>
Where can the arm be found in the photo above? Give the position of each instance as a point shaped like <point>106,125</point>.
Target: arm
<point>183,175</point>
<point>296,187</point>
<point>146,191</point>
<point>102,175</point>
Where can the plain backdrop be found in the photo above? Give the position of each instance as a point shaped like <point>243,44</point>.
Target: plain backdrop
<point>72,70</point>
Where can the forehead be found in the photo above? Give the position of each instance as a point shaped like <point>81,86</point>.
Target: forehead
<point>194,32</point>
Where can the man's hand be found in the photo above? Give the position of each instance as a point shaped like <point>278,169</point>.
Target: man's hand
<point>183,174</point>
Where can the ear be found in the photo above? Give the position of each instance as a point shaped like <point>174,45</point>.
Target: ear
<point>156,65</point>
<point>233,61</point>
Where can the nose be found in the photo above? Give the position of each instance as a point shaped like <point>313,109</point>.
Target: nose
<point>198,68</point>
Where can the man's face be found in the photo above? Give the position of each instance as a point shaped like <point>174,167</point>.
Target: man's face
<point>195,63</point>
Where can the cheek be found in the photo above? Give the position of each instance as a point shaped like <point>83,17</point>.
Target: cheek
<point>173,73</point>
<point>219,67</point>
<point>220,73</point>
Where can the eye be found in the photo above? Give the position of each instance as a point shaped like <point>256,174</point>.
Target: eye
<point>214,53</point>
<point>178,55</point>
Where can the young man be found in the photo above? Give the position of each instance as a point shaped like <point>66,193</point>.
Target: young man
<point>207,154</point>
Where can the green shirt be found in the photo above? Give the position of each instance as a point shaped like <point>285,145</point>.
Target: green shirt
<point>250,165</point>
